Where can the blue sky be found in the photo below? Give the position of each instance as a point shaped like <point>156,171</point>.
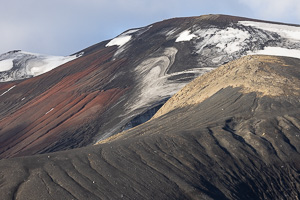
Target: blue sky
<point>63,27</point>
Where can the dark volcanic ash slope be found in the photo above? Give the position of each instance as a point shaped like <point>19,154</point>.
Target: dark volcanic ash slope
<point>241,141</point>
<point>119,83</point>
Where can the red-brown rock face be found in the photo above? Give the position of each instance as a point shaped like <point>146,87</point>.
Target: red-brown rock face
<point>61,105</point>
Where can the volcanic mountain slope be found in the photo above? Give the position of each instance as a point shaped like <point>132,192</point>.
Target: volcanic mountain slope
<point>218,138</point>
<point>121,83</point>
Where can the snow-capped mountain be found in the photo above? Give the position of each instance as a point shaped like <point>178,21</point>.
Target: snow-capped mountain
<point>196,46</point>
<point>120,83</point>
<point>16,65</point>
<point>231,131</point>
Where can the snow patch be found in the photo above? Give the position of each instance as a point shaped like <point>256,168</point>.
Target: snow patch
<point>6,65</point>
<point>185,36</point>
<point>231,39</point>
<point>285,31</point>
<point>119,41</point>
<point>278,51</point>
<point>49,111</point>
<point>79,54</point>
<point>7,90</point>
<point>124,38</point>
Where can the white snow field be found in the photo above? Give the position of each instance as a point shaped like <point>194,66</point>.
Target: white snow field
<point>232,40</point>
<point>229,40</point>
<point>288,32</point>
<point>44,64</point>
<point>285,31</point>
<point>185,36</point>
<point>6,65</point>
